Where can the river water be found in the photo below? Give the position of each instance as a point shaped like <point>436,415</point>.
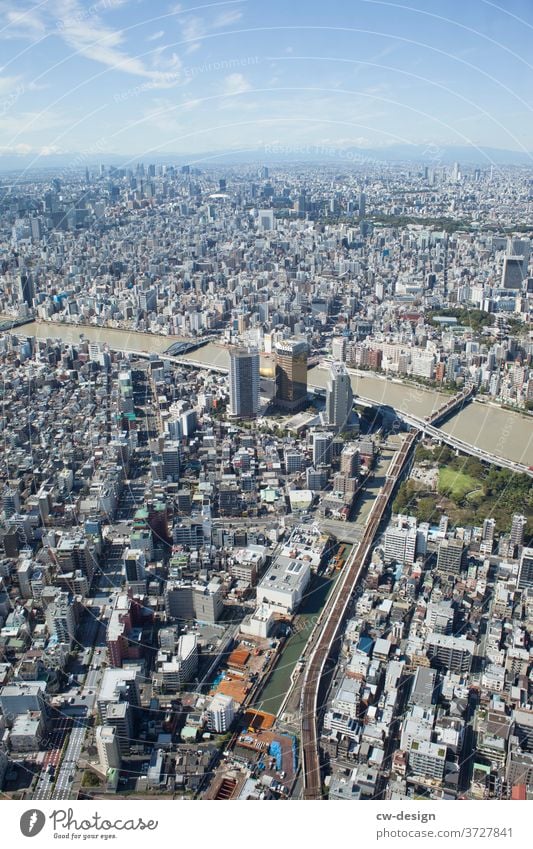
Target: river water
<point>501,432</point>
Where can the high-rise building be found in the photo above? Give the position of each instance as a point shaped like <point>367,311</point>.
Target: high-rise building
<point>513,274</point>
<point>350,460</point>
<point>400,543</point>
<point>338,348</point>
<point>487,536</point>
<point>339,396</point>
<point>60,619</point>
<point>525,572</point>
<point>452,653</point>
<point>243,383</point>
<point>135,568</point>
<point>450,556</point>
<point>518,529</point>
<point>171,460</point>
<point>107,746</point>
<point>291,374</point>
<point>26,289</point>
<point>220,713</point>
<point>266,219</point>
<point>362,205</point>
<point>322,449</point>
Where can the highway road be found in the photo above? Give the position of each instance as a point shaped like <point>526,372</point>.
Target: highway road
<point>62,789</point>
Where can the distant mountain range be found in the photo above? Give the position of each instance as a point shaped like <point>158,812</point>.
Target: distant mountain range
<point>423,154</point>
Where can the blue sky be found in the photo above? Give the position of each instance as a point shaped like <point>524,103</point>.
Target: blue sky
<point>139,77</point>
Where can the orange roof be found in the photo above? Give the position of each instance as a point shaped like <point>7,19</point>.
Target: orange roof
<point>238,657</point>
<point>518,793</point>
<point>236,689</point>
<point>258,719</point>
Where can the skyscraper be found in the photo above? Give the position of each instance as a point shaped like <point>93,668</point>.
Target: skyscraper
<point>322,449</point>
<point>291,374</point>
<point>339,396</point>
<point>513,274</point>
<point>243,383</point>
<point>518,527</point>
<point>26,289</point>
<point>525,572</point>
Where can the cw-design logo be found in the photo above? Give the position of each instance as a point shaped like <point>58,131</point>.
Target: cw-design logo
<point>32,822</point>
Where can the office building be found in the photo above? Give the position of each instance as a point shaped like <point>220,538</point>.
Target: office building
<point>450,556</point>
<point>22,697</point>
<point>107,746</point>
<point>291,374</point>
<point>171,460</point>
<point>427,760</point>
<point>518,529</point>
<point>322,443</point>
<point>174,671</point>
<point>525,570</point>
<point>194,600</point>
<point>243,383</point>
<point>119,717</point>
<point>513,274</point>
<point>339,397</point>
<point>135,569</point>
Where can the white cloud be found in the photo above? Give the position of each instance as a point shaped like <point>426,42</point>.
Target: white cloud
<point>28,24</point>
<point>10,85</point>
<point>192,30</point>
<point>82,30</point>
<point>156,36</point>
<point>236,84</point>
<point>32,122</point>
<point>227,18</point>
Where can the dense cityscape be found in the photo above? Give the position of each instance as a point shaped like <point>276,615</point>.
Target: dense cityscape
<point>266,506</point>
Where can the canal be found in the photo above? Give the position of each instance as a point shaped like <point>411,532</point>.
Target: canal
<point>272,695</point>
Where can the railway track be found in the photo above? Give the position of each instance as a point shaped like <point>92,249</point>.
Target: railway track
<point>310,708</point>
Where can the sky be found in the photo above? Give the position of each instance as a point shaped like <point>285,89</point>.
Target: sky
<point>146,77</point>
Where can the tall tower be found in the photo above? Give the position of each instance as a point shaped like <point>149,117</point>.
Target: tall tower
<point>518,528</point>
<point>339,396</point>
<point>243,383</point>
<point>291,374</point>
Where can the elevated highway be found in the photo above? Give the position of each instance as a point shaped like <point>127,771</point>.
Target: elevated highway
<point>310,708</point>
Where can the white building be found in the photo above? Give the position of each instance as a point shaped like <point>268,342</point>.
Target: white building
<point>284,584</point>
<point>259,623</point>
<point>174,671</point>
<point>220,713</point>
<point>107,747</point>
